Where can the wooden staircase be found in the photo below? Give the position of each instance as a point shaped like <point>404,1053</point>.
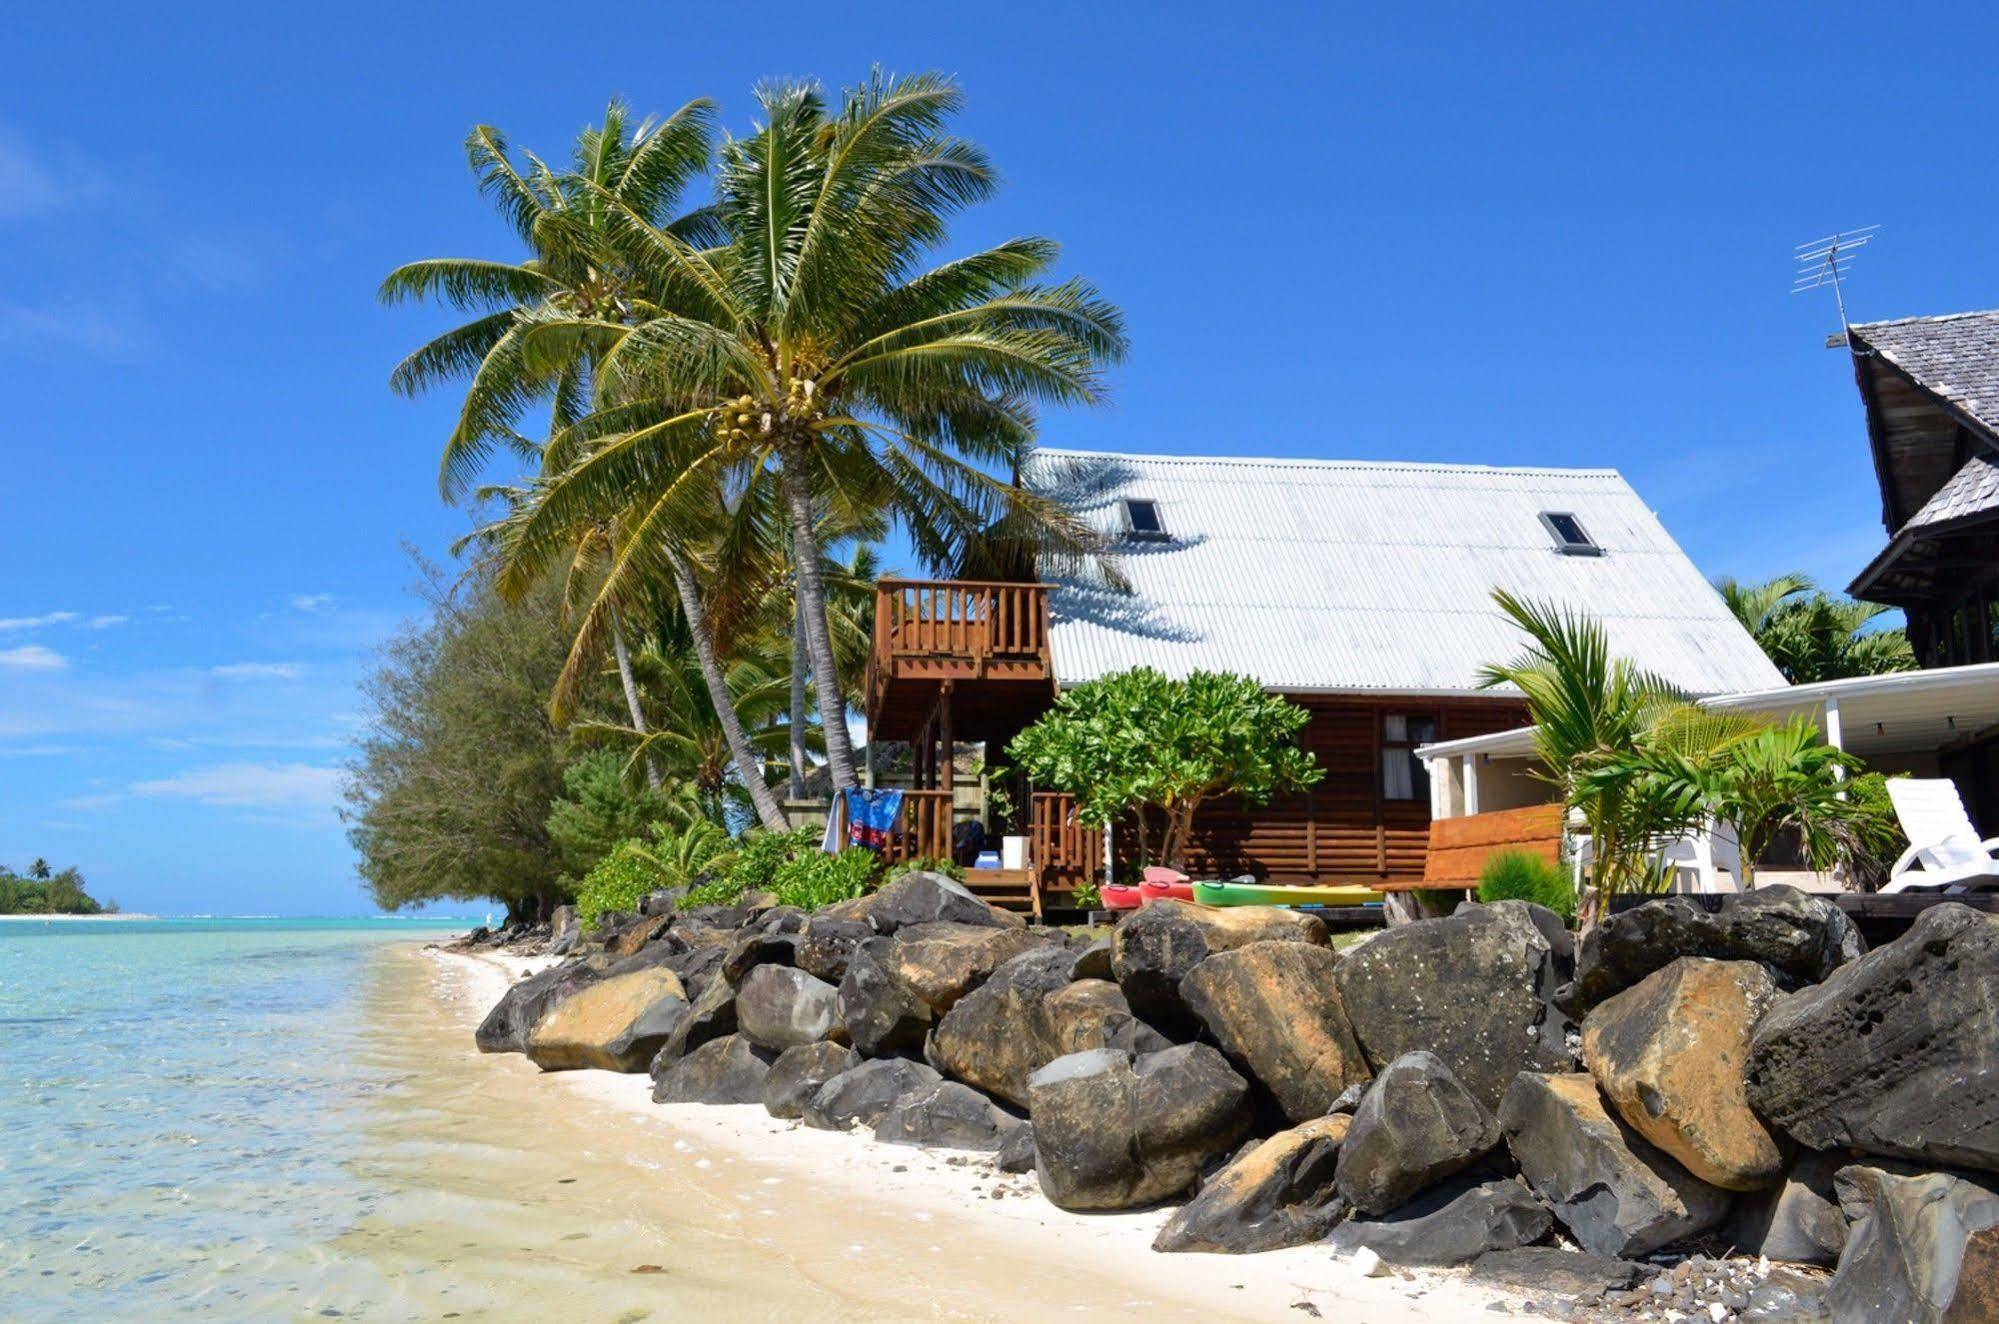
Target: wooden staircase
<point>1009,889</point>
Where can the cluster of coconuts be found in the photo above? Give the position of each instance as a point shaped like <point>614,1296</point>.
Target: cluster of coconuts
<point>743,418</point>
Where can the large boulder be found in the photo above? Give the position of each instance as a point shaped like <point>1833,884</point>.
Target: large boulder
<point>1113,1131</point>
<point>642,929</point>
<point>779,1007</point>
<point>1797,1219</point>
<point>1454,1223</point>
<point>940,963</point>
<point>1278,1193</point>
<point>1617,1194</point>
<point>1016,1151</point>
<point>711,1016</point>
<point>563,931</point>
<point>756,947</point>
<point>1476,988</point>
<point>947,1115</point>
<point>1670,1054</point>
<point>1921,1249</point>
<point>1153,950</point>
<point>726,1070</point>
<point>862,1095</point>
<point>798,1073</point>
<point>1415,1126</point>
<point>1551,1269</point>
<point>1800,937</point>
<point>1027,1015</point>
<point>1896,1053</point>
<point>825,944</point>
<point>882,1014</point>
<point>615,1024</point>
<point>923,898</point>
<point>1275,1010</point>
<point>512,1019</point>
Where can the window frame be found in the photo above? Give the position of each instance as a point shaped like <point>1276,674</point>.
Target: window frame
<point>1419,775</point>
<point>1587,547</point>
<point>1131,529</point>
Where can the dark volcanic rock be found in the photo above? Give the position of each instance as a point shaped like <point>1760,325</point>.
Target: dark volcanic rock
<point>1798,1219</point>
<point>1670,1054</point>
<point>924,898</point>
<point>1016,1152</point>
<point>1452,1224</point>
<point>826,942</point>
<point>1616,1193</point>
<point>779,1007</point>
<point>754,949</point>
<point>1921,1249</point>
<point>1896,1053</point>
<point>1474,988</point>
<point>726,1070</point>
<point>722,919</point>
<point>947,1115</point>
<point>1801,938</point>
<point>1111,1132</point>
<point>1415,1126</point>
<point>799,1072</point>
<point>615,1024</point>
<point>940,963</point>
<point>862,1095</point>
<point>512,1019</point>
<point>881,1013</point>
<point>563,931</point>
<point>711,1016</point>
<point>1567,1272</point>
<point>1153,950</point>
<point>1275,1194</point>
<point>1027,1015</point>
<point>1093,962</point>
<point>1275,1010</point>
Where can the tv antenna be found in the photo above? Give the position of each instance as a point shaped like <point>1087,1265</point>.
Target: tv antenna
<point>1829,261</point>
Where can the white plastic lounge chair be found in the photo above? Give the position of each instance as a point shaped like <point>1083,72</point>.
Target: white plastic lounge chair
<point>1953,859</point>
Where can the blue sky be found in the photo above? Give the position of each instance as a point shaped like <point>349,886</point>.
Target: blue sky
<point>1503,234</point>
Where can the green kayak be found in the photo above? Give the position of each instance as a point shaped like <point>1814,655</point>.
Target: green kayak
<point>1259,894</point>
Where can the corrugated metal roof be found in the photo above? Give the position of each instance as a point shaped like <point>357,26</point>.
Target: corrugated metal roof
<point>1336,575</point>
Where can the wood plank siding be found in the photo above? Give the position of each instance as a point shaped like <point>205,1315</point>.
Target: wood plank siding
<point>1347,829</point>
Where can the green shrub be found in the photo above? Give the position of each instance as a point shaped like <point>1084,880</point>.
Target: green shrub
<point>1512,875</point>
<point>926,864</point>
<point>1088,896</point>
<point>618,883</point>
<point>763,854</point>
<point>817,879</point>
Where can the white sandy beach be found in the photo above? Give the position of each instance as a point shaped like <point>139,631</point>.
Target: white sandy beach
<point>961,1198</point>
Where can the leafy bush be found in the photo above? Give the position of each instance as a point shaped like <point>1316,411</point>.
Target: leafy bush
<point>754,865</point>
<point>927,864</point>
<point>1088,896</point>
<point>618,883</point>
<point>817,879</point>
<point>1512,875</point>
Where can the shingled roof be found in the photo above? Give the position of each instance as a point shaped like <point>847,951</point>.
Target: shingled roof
<point>1973,490</point>
<point>1956,357</point>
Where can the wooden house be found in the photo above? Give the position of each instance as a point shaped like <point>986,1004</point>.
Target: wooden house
<point>1361,591</point>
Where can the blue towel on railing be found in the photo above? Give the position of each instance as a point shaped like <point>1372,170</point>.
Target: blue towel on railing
<point>871,816</point>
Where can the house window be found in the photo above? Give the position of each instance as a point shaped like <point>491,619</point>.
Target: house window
<point>1570,537</point>
<point>1141,519</point>
<point>1403,776</point>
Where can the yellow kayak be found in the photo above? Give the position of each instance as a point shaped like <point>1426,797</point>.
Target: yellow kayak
<point>1262,894</point>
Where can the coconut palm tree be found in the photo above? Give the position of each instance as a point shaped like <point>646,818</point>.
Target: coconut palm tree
<point>812,349</point>
<point>1814,636</point>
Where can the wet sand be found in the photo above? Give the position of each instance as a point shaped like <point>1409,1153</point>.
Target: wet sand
<point>577,1194</point>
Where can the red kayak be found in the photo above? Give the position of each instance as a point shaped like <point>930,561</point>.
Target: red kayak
<point>1161,884</point>
<point>1120,896</point>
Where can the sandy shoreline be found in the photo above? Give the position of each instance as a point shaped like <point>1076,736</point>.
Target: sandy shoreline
<point>1005,1215</point>
<point>71,919</point>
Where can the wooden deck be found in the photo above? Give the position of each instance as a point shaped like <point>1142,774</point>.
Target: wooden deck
<point>1459,847</point>
<point>983,645</point>
<point>1062,854</point>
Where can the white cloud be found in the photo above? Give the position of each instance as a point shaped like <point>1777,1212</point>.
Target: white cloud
<point>74,325</point>
<point>310,602</point>
<point>257,671</point>
<point>107,621</point>
<point>251,786</point>
<point>33,657</point>
<point>9,623</point>
<point>35,183</point>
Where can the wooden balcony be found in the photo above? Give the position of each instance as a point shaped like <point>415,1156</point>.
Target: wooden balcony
<point>984,644</point>
<point>1062,854</point>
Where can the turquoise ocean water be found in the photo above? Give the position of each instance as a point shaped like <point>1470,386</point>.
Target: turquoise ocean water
<point>179,1108</point>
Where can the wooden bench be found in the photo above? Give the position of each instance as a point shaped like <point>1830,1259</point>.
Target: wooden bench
<point>1459,847</point>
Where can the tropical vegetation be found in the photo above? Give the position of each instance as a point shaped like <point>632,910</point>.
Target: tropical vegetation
<point>46,891</point>
<point>1812,635</point>
<point>1512,875</point>
<point>1142,746</point>
<point>723,369</point>
<point>1643,768</point>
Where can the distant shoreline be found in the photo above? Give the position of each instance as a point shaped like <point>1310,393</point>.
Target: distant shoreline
<point>70,919</point>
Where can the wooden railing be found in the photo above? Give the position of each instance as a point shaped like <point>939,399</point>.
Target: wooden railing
<point>922,830</point>
<point>1063,852</point>
<point>960,618</point>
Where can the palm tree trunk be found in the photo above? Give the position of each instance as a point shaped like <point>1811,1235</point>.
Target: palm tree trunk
<point>631,691</point>
<point>769,812</point>
<point>818,634</point>
<point>800,708</point>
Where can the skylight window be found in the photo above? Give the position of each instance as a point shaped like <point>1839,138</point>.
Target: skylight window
<point>1141,519</point>
<point>1570,537</point>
